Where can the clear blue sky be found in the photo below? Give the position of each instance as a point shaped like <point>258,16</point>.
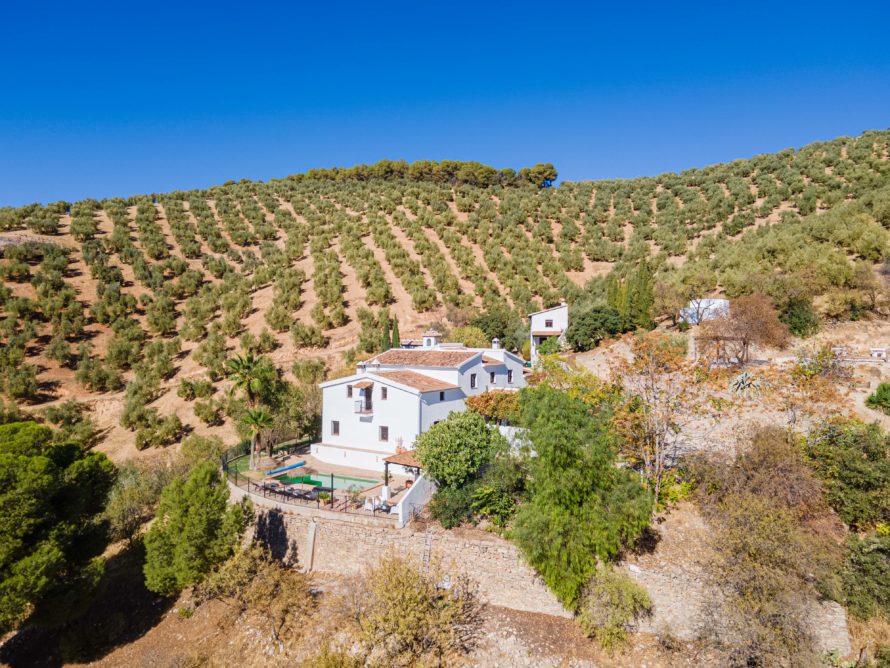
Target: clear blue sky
<point>121,98</point>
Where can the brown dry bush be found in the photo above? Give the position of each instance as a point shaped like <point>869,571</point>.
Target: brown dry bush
<point>399,615</point>
<point>252,582</point>
<point>775,551</point>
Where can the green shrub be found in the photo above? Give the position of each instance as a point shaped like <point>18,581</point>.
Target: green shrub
<point>209,412</point>
<point>158,432</point>
<point>134,496</point>
<point>866,576</point>
<point>800,316</point>
<point>853,461</point>
<point>452,506</point>
<point>307,336</point>
<point>199,449</point>
<point>880,398</point>
<point>611,602</point>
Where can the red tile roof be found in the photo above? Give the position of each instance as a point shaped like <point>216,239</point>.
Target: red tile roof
<point>408,357</point>
<point>416,380</point>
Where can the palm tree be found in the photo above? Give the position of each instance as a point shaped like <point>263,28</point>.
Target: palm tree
<point>244,371</point>
<point>258,420</point>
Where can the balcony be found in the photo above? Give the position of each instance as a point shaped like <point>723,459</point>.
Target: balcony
<point>364,407</point>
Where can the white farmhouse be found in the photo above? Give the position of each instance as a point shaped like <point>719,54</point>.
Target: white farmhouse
<point>399,394</point>
<point>546,324</point>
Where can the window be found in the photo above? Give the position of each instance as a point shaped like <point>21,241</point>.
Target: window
<point>383,392</point>
<point>441,396</point>
<point>509,375</point>
<point>349,391</point>
<point>473,381</point>
<point>548,324</point>
<point>335,427</point>
<point>491,377</point>
<point>384,433</point>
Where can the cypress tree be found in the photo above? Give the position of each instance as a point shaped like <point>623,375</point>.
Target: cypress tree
<point>640,297</point>
<point>396,338</point>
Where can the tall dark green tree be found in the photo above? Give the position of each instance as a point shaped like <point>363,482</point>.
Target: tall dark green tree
<point>194,530</point>
<point>396,337</point>
<point>51,533</point>
<point>582,507</point>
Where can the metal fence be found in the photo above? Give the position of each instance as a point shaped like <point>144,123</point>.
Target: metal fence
<point>323,498</point>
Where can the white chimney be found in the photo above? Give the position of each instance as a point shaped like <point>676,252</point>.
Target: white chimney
<point>431,338</point>
<point>495,343</point>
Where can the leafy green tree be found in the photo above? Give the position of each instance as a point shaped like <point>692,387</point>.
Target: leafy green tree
<point>589,327</point>
<point>471,337</point>
<point>454,450</point>
<point>51,534</point>
<point>160,314</point>
<point>582,507</point>
<point>194,530</point>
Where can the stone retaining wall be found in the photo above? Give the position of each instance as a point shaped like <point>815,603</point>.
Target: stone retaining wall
<point>345,547</point>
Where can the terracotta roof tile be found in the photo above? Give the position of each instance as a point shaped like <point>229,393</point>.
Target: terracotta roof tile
<point>416,380</point>
<point>408,357</point>
<point>547,332</point>
<point>407,458</point>
<point>362,384</point>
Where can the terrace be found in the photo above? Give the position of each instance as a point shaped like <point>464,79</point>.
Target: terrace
<point>299,480</point>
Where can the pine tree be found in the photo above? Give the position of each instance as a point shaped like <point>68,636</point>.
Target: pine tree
<point>396,338</point>
<point>195,529</point>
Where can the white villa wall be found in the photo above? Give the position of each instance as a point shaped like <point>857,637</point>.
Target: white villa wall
<point>559,315</point>
<point>406,412</point>
<point>538,322</point>
<point>371,460</point>
<point>415,499</point>
<point>400,411</point>
<point>432,410</point>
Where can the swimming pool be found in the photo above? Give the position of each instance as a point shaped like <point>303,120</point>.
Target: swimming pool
<point>324,480</point>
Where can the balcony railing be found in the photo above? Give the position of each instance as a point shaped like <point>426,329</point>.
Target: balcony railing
<point>364,407</point>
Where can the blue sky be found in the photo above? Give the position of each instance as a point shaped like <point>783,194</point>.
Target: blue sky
<point>102,99</point>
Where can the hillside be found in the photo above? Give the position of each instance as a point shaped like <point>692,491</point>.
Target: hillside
<point>155,289</point>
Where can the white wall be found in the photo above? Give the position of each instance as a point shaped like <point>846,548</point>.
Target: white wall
<point>400,411</point>
<point>538,321</point>
<point>415,499</point>
<point>559,316</point>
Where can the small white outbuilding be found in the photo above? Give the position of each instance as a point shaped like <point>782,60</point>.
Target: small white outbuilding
<point>705,308</point>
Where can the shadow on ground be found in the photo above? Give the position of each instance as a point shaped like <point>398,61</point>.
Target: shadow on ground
<point>122,611</point>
